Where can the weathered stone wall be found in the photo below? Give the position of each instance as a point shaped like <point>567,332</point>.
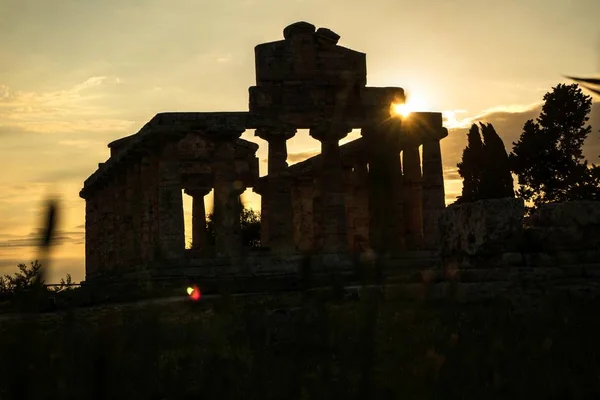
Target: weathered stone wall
<point>482,227</point>
<point>492,233</point>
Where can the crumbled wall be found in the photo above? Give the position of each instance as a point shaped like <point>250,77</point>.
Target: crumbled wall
<point>489,233</point>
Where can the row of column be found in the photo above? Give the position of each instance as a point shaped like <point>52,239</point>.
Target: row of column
<point>227,205</point>
<point>137,218</point>
<point>277,208</point>
<point>405,199</point>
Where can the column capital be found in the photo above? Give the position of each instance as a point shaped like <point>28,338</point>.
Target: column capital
<point>197,191</point>
<point>330,131</point>
<point>271,133</point>
<point>238,187</point>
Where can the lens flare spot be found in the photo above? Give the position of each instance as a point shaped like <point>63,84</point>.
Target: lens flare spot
<point>193,292</point>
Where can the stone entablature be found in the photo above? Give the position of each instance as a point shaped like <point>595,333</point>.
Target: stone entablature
<point>376,194</point>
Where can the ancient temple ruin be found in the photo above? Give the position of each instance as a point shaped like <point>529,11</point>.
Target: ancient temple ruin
<point>382,193</point>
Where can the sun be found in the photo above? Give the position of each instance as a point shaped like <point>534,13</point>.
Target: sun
<point>401,109</point>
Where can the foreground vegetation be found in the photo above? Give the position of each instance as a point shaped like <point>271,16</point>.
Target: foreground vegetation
<point>366,347</point>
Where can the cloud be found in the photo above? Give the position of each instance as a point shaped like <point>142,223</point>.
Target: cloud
<point>89,83</point>
<point>78,108</point>
<point>508,122</point>
<point>224,58</point>
<point>451,173</point>
<point>80,143</point>
<point>33,239</point>
<point>294,158</point>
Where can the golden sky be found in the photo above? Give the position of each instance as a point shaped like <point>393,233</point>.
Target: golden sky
<point>75,75</point>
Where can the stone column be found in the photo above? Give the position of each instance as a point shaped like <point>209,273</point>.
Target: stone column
<point>92,242</point>
<point>413,195</point>
<point>171,231</point>
<point>199,234</point>
<point>433,193</point>
<point>108,229</point>
<point>302,194</point>
<point>118,217</point>
<point>135,184</point>
<point>361,199</point>
<point>331,182</point>
<point>317,222</point>
<point>384,178</point>
<point>227,193</point>
<point>148,191</point>
<point>351,205</point>
<point>399,204</point>
<point>130,252</point>
<point>278,193</point>
<point>264,215</point>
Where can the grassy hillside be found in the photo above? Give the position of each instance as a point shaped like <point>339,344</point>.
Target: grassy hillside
<point>318,348</point>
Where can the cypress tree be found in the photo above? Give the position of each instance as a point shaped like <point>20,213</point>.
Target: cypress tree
<point>471,167</point>
<point>497,181</point>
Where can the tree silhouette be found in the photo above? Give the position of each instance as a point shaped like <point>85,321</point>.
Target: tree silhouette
<point>548,158</point>
<point>249,227</point>
<point>587,82</point>
<point>484,166</point>
<point>25,279</point>
<point>471,166</point>
<point>497,182</point>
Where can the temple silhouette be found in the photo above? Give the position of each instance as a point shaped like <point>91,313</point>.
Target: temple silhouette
<point>380,195</point>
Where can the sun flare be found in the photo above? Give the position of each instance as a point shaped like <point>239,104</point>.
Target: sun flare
<point>401,109</point>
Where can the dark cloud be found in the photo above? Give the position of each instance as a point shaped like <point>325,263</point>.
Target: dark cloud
<point>451,173</point>
<point>33,239</point>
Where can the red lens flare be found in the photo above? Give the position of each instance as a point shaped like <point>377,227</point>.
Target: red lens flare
<point>194,292</point>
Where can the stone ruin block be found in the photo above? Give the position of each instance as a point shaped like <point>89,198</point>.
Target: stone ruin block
<point>485,227</point>
<point>309,56</point>
<point>573,213</point>
<point>559,227</point>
